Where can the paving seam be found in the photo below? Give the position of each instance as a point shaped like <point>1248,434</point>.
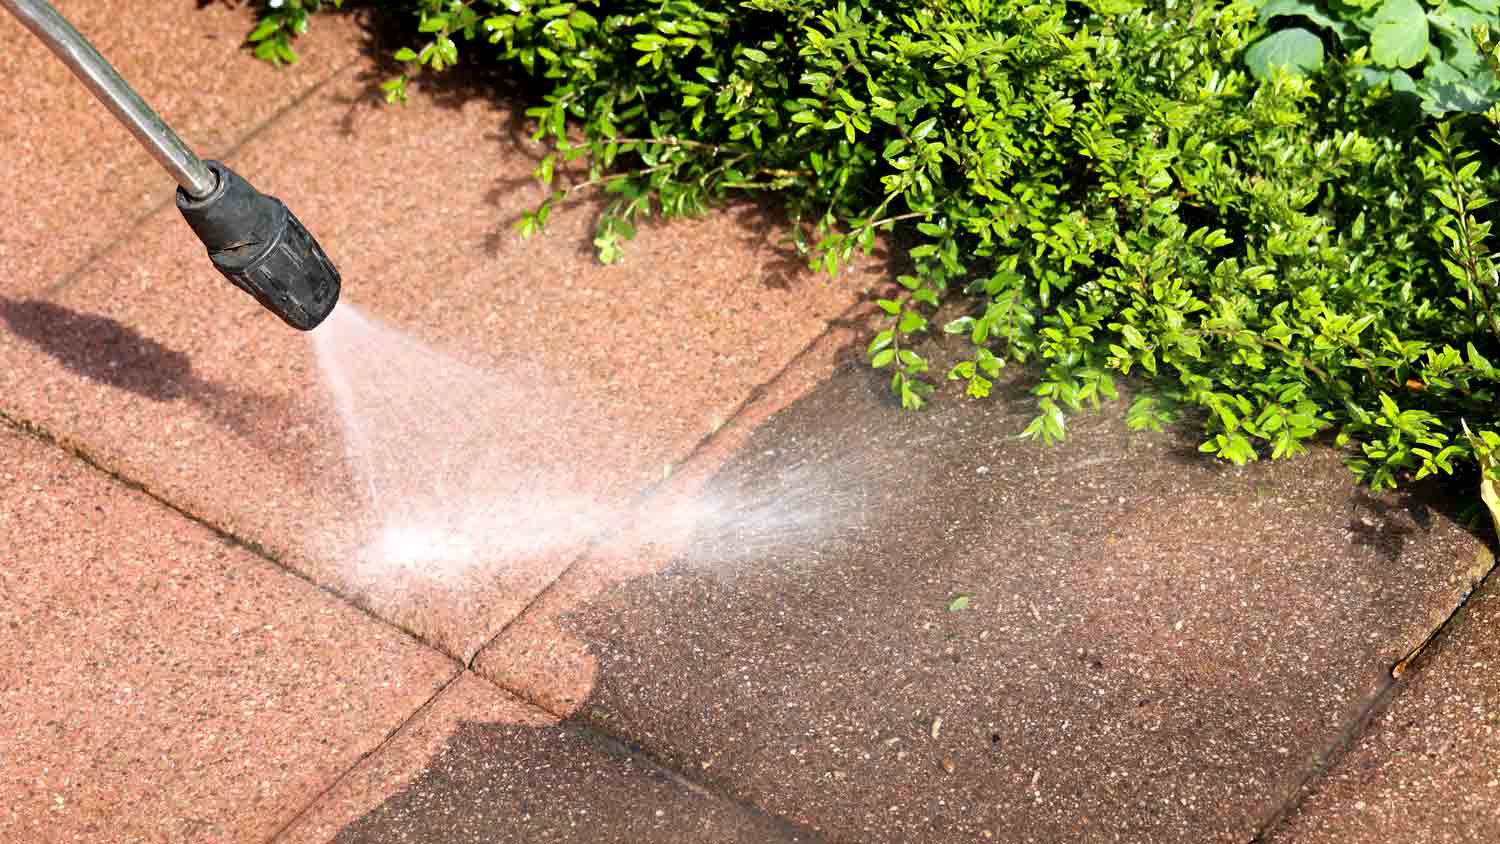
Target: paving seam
<point>622,746</point>
<point>618,744</point>
<point>90,262</point>
<point>415,713</point>
<point>81,452</point>
<point>645,495</point>
<point>1390,685</point>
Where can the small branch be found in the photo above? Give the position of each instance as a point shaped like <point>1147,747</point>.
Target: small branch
<point>568,191</point>
<point>667,141</point>
<point>910,215</point>
<point>1301,360</point>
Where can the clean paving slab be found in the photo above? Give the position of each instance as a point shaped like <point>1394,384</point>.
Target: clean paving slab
<point>158,683</point>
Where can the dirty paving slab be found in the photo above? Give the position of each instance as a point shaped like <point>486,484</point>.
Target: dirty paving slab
<point>1425,769</point>
<point>600,378</point>
<point>970,637</point>
<point>481,766</point>
<point>160,684</point>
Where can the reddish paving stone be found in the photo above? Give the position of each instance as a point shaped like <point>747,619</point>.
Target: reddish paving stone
<point>160,369</point>
<point>480,766</point>
<point>1425,769</point>
<point>75,179</point>
<point>158,684</point>
<point>1155,648</point>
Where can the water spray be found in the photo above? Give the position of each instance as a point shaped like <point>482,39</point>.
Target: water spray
<point>252,239</point>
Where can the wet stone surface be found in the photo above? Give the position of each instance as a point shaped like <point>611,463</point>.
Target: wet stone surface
<point>1113,639</point>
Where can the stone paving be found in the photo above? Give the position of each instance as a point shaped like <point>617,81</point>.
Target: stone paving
<point>889,627</point>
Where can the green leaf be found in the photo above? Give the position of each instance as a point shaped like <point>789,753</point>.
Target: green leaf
<point>962,325</point>
<point>264,30</point>
<point>1298,51</point>
<point>958,604</point>
<point>1399,36</point>
<point>1301,8</point>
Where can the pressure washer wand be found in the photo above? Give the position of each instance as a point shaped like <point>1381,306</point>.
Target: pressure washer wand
<point>252,239</point>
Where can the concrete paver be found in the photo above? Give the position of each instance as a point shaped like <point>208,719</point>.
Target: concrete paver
<point>158,684</point>
<point>1153,648</point>
<point>480,766</point>
<point>1425,769</point>
<point>537,653</point>
<point>155,365</point>
<point>73,178</point>
<point>887,627</point>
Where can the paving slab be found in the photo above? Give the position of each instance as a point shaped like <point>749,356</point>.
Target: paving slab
<point>74,179</point>
<point>479,766</point>
<point>537,654</point>
<point>554,377</point>
<point>158,684</point>
<point>1425,768</point>
<point>913,627</point>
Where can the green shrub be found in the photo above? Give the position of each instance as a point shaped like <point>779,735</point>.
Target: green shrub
<point>1440,53</point>
<point>1100,188</point>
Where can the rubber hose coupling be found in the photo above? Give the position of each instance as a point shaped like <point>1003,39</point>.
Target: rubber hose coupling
<point>256,242</point>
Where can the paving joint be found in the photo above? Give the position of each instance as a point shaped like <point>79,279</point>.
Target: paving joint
<point>622,745</point>
<point>90,261</point>
<point>1375,706</point>
<point>1476,582</point>
<point>81,453</point>
<point>645,495</point>
<point>389,737</point>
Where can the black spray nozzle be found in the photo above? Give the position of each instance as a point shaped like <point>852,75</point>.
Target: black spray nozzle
<point>263,249</point>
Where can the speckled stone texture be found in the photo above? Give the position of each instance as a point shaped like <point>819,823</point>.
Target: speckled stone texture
<point>1149,647</point>
<point>537,654</point>
<point>72,179</point>
<point>207,398</point>
<point>158,684</point>
<point>1428,768</point>
<point>160,369</point>
<point>480,766</point>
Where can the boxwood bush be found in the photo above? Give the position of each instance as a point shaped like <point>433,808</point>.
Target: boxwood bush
<point>1101,188</point>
